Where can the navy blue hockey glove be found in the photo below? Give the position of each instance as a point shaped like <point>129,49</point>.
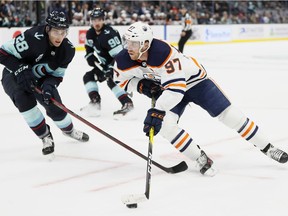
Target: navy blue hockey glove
<point>47,92</point>
<point>108,71</point>
<point>154,119</point>
<point>91,59</point>
<point>149,88</point>
<point>25,77</point>
<point>99,74</point>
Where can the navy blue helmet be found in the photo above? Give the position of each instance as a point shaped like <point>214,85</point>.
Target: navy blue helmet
<point>97,13</point>
<point>58,20</point>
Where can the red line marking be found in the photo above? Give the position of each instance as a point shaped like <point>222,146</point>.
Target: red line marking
<point>79,176</point>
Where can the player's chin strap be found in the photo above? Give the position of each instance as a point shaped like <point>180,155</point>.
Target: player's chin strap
<point>182,166</point>
<point>141,52</point>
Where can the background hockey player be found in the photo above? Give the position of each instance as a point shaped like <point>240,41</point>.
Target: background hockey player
<point>147,62</point>
<point>39,57</point>
<point>102,44</point>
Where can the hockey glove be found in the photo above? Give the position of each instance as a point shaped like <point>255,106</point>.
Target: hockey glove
<point>108,71</point>
<point>154,119</point>
<point>47,91</point>
<point>91,60</point>
<point>25,78</point>
<point>99,74</point>
<point>149,88</point>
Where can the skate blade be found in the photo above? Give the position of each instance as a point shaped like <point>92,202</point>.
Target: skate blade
<point>211,172</point>
<point>90,113</point>
<point>131,115</point>
<point>50,157</point>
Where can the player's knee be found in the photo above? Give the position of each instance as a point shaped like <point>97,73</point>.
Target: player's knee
<point>88,76</point>
<point>232,117</point>
<point>23,101</point>
<point>169,127</point>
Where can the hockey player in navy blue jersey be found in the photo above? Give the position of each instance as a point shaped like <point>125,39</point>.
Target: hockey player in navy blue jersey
<point>38,58</point>
<point>102,44</point>
<point>153,67</point>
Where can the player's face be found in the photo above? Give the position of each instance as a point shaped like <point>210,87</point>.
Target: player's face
<point>133,48</point>
<point>56,36</point>
<point>97,24</point>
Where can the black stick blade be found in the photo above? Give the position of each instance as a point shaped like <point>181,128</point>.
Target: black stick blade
<point>177,168</point>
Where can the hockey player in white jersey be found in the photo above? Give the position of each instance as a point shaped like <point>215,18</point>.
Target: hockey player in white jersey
<point>153,67</point>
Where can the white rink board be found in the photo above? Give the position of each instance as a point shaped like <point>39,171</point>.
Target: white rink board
<point>201,33</point>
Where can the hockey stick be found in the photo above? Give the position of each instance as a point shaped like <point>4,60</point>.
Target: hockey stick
<point>132,200</point>
<point>149,157</point>
<point>182,166</point>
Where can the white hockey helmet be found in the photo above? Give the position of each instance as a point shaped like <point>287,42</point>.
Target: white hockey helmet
<point>139,31</point>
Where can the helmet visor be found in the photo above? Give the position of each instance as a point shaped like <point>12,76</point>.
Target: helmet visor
<point>130,44</point>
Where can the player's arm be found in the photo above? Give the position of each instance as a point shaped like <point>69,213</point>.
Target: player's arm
<point>90,57</point>
<point>9,60</point>
<point>123,74</point>
<point>57,72</point>
<point>13,51</point>
<point>174,83</point>
<point>11,56</point>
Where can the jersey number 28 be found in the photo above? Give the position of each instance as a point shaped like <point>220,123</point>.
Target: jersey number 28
<point>20,43</point>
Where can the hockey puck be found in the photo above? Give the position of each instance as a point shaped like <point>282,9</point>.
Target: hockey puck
<point>133,205</point>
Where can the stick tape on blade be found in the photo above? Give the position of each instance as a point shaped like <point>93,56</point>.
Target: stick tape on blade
<point>133,198</point>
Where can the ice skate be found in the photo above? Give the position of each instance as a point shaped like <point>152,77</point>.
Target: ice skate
<point>48,146</point>
<point>204,164</point>
<point>275,153</point>
<point>77,135</point>
<point>125,112</point>
<point>93,109</point>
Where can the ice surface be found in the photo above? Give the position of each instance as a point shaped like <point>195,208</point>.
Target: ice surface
<point>89,179</point>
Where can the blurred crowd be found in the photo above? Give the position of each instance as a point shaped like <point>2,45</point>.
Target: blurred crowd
<point>23,13</point>
<point>13,15</point>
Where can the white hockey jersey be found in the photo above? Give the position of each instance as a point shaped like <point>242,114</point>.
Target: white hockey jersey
<point>165,64</point>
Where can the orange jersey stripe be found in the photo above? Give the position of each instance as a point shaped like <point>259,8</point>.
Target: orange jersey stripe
<point>123,84</point>
<point>177,85</point>
<point>203,73</point>
<point>195,61</point>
